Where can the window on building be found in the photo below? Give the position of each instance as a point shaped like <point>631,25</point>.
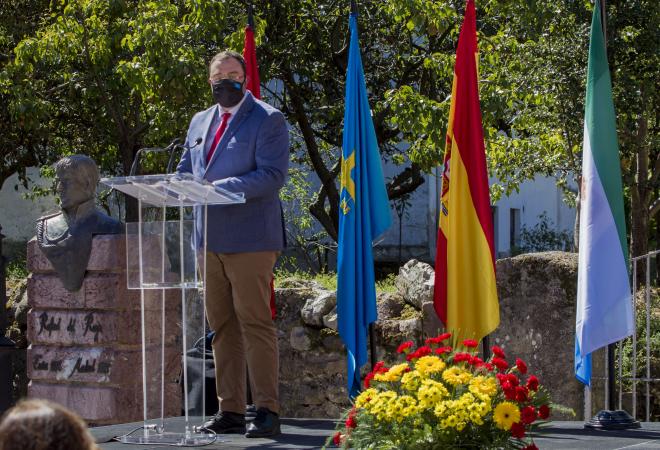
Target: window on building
<point>493,216</point>
<point>514,228</point>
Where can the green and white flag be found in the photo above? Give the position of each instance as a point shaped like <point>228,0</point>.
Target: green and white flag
<point>604,309</point>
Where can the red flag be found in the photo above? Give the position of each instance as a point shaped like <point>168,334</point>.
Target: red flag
<point>465,296</point>
<point>252,80</point>
<point>251,67</point>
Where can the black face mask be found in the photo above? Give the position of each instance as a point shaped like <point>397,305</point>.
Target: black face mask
<point>227,92</point>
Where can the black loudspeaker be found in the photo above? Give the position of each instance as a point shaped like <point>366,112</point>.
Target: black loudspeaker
<point>201,373</point>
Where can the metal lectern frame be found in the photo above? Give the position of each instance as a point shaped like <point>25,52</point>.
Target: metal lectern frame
<point>171,191</point>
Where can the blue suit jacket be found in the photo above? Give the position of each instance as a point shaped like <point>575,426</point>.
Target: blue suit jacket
<point>252,157</point>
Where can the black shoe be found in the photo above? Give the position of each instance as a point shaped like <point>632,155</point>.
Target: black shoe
<point>266,424</point>
<point>226,422</point>
<point>250,411</point>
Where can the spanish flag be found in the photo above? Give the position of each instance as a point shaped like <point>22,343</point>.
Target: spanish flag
<point>465,295</point>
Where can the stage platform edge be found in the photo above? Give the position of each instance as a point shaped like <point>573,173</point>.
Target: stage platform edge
<point>312,433</point>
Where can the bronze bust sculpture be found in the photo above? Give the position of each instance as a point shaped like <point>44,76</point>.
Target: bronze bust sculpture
<point>65,238</point>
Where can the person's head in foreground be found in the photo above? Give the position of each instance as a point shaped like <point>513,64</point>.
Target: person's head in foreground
<point>43,425</point>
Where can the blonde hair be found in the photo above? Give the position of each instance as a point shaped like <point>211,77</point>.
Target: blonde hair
<point>43,425</point>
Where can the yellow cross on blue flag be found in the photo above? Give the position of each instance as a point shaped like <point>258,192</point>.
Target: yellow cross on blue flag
<point>364,215</point>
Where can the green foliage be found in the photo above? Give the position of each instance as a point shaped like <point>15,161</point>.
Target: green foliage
<point>653,338</point>
<point>16,269</point>
<point>387,284</point>
<point>108,77</point>
<point>543,237</point>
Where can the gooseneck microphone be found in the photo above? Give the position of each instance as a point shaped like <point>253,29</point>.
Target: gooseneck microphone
<point>136,161</point>
<point>170,163</point>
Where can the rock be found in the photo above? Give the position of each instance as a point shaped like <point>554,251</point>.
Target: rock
<point>389,304</point>
<point>330,319</point>
<point>537,294</point>
<point>299,340</point>
<point>415,283</point>
<point>21,309</point>
<point>315,308</point>
<point>431,324</point>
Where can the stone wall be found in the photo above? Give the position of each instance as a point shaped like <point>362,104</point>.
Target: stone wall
<point>537,295</point>
<point>537,299</point>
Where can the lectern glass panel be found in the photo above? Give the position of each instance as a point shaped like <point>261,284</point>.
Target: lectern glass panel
<point>161,255</point>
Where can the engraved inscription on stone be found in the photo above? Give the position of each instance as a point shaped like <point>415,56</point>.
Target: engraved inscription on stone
<point>72,364</point>
<point>60,327</point>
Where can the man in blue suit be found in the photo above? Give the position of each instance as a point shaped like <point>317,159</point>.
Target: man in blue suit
<point>244,148</point>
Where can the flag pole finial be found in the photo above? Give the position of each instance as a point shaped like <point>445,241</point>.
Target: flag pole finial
<point>250,19</point>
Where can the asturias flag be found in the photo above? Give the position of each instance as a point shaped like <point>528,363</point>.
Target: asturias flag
<point>465,294</point>
<point>604,309</point>
<point>364,213</point>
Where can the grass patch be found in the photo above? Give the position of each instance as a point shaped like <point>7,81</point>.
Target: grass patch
<point>329,280</point>
<point>17,269</point>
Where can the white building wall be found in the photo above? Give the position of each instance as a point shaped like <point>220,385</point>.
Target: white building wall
<point>18,216</point>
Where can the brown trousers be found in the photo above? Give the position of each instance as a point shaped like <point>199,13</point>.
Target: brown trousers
<point>238,310</point>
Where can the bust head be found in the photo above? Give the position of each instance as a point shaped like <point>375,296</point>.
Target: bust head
<point>75,181</point>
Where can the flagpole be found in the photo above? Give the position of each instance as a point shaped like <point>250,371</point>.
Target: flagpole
<point>250,18</point>
<point>611,388</point>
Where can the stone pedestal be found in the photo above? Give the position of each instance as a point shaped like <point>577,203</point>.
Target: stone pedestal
<point>85,346</point>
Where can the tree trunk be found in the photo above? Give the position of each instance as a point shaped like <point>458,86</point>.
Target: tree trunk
<point>639,233</point>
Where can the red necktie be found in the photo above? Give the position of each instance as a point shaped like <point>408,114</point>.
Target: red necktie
<point>218,135</point>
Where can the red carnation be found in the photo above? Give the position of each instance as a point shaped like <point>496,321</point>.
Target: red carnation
<point>500,363</point>
<point>530,447</point>
<point>405,346</point>
<point>497,351</point>
<point>461,356</point>
<point>527,415</point>
<point>509,392</point>
<point>476,361</point>
<point>443,336</point>
<point>367,379</point>
<point>521,394</point>
<point>533,383</point>
<point>518,430</point>
<point>441,350</point>
<point>470,343</point>
<point>336,439</point>
<point>378,365</point>
<point>522,367</point>
<point>489,366</point>
<point>351,422</point>
<point>422,351</point>
<point>544,412</point>
<point>513,379</point>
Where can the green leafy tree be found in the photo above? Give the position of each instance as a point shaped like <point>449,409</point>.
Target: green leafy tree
<point>107,77</point>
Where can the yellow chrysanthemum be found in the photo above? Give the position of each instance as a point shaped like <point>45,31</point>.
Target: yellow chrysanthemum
<point>456,375</point>
<point>427,365</point>
<point>482,386</point>
<point>410,381</point>
<point>430,393</point>
<point>392,375</point>
<point>407,406</point>
<point>505,415</point>
<point>365,397</point>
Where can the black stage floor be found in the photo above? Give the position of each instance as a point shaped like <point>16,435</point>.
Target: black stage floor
<point>312,433</point>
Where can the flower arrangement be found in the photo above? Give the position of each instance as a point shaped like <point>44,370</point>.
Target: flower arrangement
<point>444,397</point>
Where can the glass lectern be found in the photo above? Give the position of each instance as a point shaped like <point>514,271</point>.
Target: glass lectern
<point>165,255</point>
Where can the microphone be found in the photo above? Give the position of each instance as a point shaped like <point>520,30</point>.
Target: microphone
<point>170,163</point>
<point>136,160</point>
